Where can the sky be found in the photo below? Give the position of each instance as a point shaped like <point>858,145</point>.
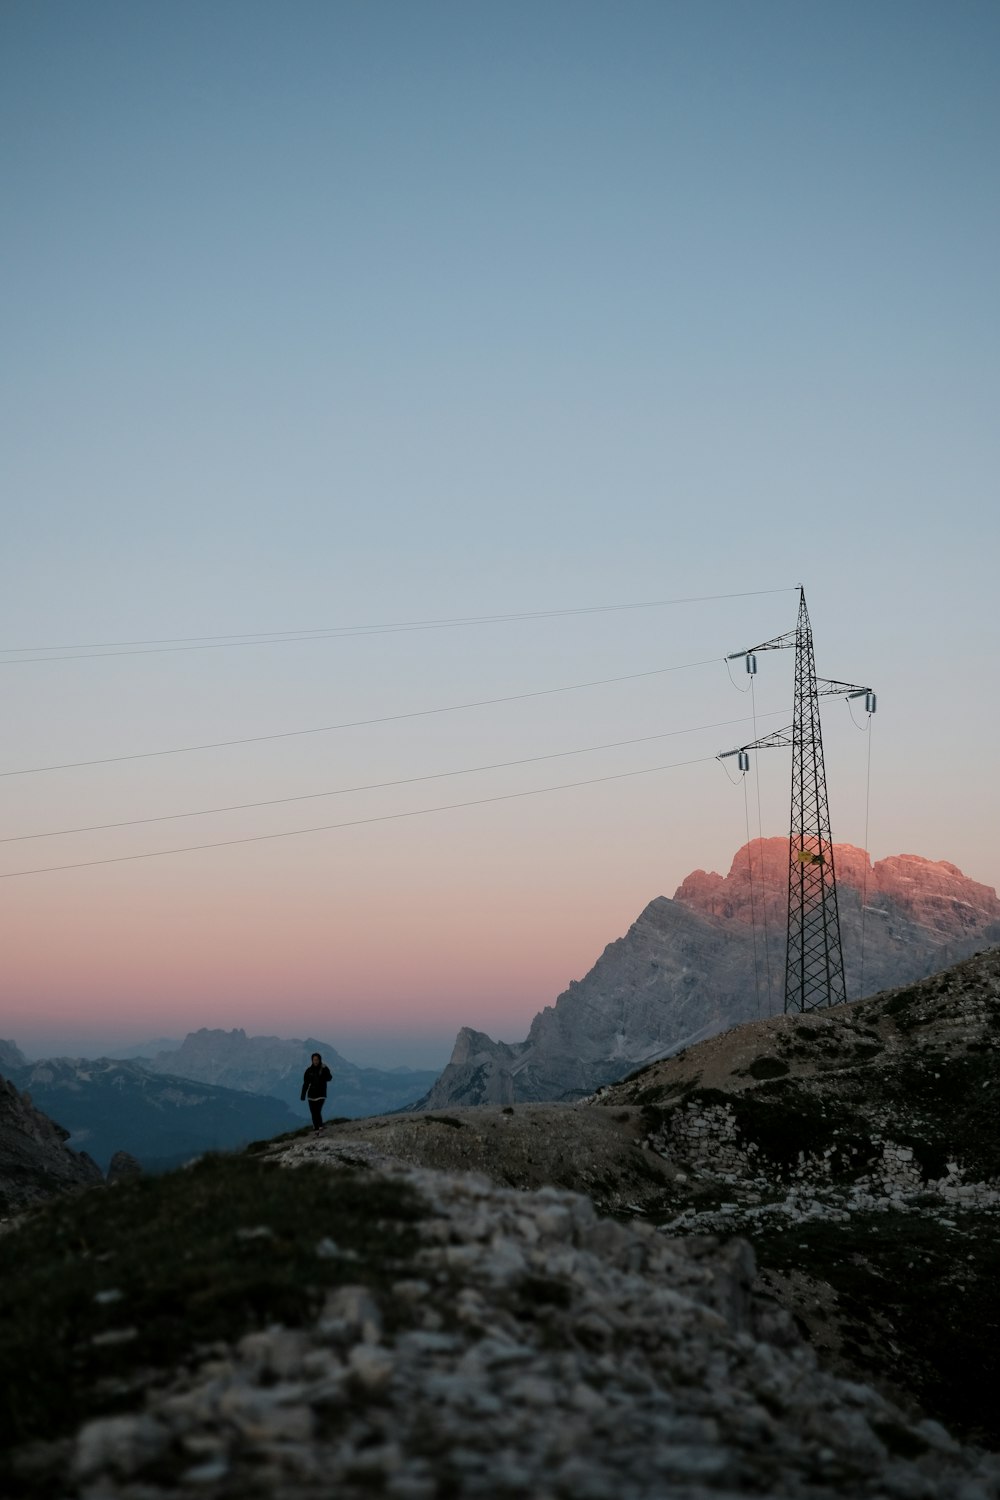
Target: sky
<point>354,313</point>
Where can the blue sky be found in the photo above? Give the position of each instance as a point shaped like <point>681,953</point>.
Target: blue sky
<point>335,313</point>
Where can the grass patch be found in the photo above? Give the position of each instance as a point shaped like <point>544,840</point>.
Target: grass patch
<point>783,1119</point>
<point>923,1300</point>
<point>171,1250</point>
<point>901,1006</point>
<point>768,1067</point>
<point>949,1103</point>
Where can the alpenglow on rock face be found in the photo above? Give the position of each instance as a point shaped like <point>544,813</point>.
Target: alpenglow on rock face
<point>690,967</point>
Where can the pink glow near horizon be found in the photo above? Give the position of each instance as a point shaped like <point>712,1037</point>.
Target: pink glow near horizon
<point>147,957</point>
<point>142,960</point>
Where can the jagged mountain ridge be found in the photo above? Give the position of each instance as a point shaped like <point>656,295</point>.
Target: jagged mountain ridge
<point>105,1105</point>
<point>11,1056</point>
<point>909,904</point>
<point>274,1065</point>
<point>697,964</point>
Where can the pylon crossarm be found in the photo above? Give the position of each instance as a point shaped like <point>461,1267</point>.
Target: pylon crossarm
<point>778,643</point>
<point>829,687</point>
<point>772,741</point>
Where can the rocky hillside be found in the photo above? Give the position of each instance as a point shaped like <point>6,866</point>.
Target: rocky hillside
<point>918,1066</point>
<point>34,1158</point>
<point>372,1329</point>
<point>274,1065</point>
<point>857,1149</point>
<point>713,957</point>
<point>107,1105</point>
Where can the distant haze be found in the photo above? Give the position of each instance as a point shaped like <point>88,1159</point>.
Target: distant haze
<point>367,1050</point>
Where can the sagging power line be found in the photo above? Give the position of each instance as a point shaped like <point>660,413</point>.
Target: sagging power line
<point>93,650</point>
<point>416,713</point>
<point>419,812</point>
<point>372,786</point>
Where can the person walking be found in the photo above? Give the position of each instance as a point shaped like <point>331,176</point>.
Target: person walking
<point>314,1082</point>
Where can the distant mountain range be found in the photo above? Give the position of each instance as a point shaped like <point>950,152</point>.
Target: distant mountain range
<point>215,1091</point>
<point>714,956</point>
<point>143,1051</point>
<point>104,1105</point>
<point>274,1065</point>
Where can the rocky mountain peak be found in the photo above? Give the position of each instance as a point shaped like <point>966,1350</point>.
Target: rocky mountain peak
<point>714,956</point>
<point>935,893</point>
<point>11,1056</point>
<point>255,1063</point>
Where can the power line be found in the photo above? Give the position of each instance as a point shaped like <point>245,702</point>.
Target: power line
<point>374,786</point>
<point>760,845</point>
<point>417,713</point>
<point>419,812</point>
<point>92,650</point>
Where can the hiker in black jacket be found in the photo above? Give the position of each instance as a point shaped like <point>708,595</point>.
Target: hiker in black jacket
<point>314,1082</point>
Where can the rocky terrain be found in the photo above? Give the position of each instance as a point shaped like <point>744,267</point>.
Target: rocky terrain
<point>713,957</point>
<point>35,1161</point>
<point>105,1105</point>
<point>373,1328</point>
<point>857,1149</point>
<point>797,1294</point>
<point>274,1065</point>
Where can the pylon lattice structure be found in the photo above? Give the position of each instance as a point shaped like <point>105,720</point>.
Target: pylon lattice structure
<point>814,962</point>
<point>814,958</point>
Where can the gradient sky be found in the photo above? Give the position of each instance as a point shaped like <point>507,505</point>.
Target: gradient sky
<point>336,314</point>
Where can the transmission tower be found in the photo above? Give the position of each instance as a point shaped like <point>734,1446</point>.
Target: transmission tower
<point>814,959</point>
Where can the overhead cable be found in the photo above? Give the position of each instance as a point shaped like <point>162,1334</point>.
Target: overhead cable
<point>92,650</point>
<point>419,812</point>
<point>373,786</point>
<point>417,713</point>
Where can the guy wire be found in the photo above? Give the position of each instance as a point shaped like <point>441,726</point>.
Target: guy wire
<point>864,878</point>
<point>753,917</point>
<point>760,846</point>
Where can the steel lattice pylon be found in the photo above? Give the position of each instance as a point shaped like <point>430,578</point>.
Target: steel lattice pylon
<point>814,959</point>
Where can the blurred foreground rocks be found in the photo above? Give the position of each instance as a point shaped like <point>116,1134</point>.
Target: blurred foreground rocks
<point>529,1349</point>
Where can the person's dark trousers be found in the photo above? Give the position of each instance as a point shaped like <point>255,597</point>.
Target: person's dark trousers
<point>316,1110</point>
